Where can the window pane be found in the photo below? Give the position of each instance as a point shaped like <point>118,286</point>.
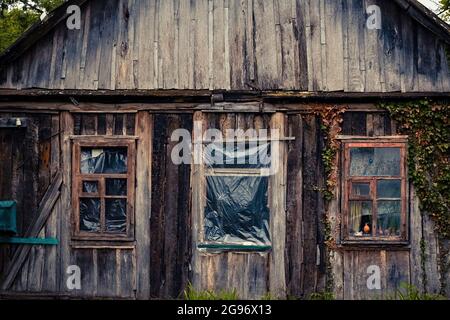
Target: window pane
<point>90,186</point>
<point>116,187</point>
<point>103,160</point>
<point>116,215</point>
<point>237,210</point>
<point>237,155</point>
<point>89,214</point>
<point>388,188</point>
<point>360,189</point>
<point>360,219</point>
<point>375,161</point>
<point>388,222</point>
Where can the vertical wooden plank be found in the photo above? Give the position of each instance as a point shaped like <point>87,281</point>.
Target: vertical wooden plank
<point>370,124</point>
<point>358,124</point>
<point>378,125</point>
<point>409,59</point>
<point>265,51</point>
<point>309,203</point>
<point>65,198</point>
<point>220,78</point>
<point>144,28</point>
<point>101,124</point>
<point>373,54</point>
<point>184,36</point>
<point>51,230</point>
<point>144,129</point>
<point>294,213</point>
<point>427,62</point>
<point>289,46</point>
<point>106,264</point>
<point>238,43</point>
<point>277,201</point>
<point>197,173</point>
<point>356,24</point>
<point>392,44</point>
<point>334,43</point>
<point>316,45</point>
<point>123,60</point>
<point>201,58</point>
<point>166,44</point>
<point>127,274</point>
<point>107,44</point>
<point>130,124</point>
<point>109,124</point>
<point>157,221</point>
<point>88,124</point>
<point>86,259</point>
<point>431,254</point>
<point>118,124</point>
<point>398,270</point>
<point>171,212</point>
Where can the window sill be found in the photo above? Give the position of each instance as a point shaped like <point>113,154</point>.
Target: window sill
<point>375,242</point>
<point>234,247</point>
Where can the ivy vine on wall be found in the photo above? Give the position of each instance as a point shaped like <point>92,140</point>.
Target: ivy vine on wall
<point>331,120</point>
<point>427,125</point>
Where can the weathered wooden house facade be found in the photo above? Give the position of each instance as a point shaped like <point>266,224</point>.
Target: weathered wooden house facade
<point>87,118</point>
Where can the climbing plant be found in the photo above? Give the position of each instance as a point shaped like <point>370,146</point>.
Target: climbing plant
<point>427,125</point>
<point>331,119</point>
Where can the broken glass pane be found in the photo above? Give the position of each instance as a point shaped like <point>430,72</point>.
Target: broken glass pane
<point>90,186</point>
<point>237,210</point>
<point>89,214</point>
<point>388,222</point>
<point>360,220</point>
<point>116,215</point>
<point>360,189</point>
<point>388,188</point>
<point>103,160</point>
<point>375,161</point>
<point>116,187</point>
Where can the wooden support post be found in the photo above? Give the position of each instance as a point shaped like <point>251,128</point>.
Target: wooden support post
<point>144,130</point>
<point>277,202</point>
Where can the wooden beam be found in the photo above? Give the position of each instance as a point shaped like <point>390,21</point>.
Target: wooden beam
<point>45,209</point>
<point>277,204</point>
<point>144,130</point>
<point>199,96</point>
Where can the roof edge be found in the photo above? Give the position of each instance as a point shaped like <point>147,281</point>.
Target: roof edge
<point>426,18</point>
<point>36,32</point>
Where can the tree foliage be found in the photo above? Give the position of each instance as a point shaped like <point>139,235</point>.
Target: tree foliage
<point>17,16</point>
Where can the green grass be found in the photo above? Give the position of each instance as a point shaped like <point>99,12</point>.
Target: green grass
<point>411,292</point>
<point>191,294</point>
<point>322,296</point>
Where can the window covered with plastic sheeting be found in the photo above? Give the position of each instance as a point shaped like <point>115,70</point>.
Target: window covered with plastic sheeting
<point>244,155</point>
<point>103,192</point>
<point>375,191</point>
<point>103,160</point>
<point>236,208</point>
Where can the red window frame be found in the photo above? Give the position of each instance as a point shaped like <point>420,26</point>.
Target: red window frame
<point>348,180</point>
